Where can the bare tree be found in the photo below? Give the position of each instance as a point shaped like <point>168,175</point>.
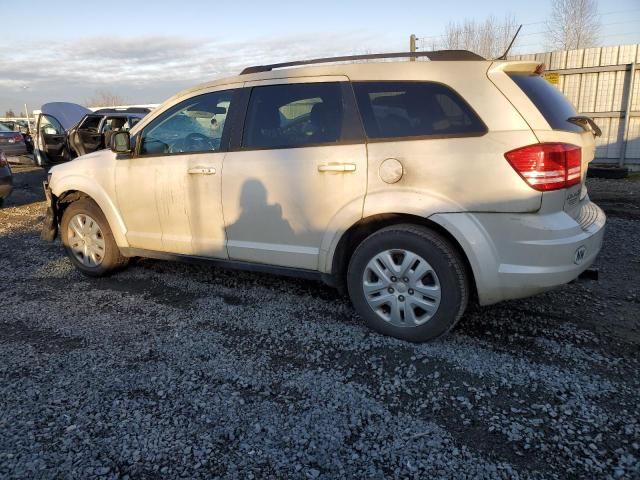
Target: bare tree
<point>573,24</point>
<point>104,98</point>
<point>489,38</point>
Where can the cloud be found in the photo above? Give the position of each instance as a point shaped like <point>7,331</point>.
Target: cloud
<point>147,69</point>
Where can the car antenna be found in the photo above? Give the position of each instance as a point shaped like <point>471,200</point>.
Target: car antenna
<point>504,55</point>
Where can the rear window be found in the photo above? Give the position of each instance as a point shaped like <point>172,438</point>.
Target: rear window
<point>551,103</point>
<point>415,109</point>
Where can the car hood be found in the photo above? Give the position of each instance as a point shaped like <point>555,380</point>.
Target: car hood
<point>68,114</point>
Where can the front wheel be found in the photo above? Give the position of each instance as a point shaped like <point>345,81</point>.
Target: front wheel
<point>408,282</point>
<point>88,240</point>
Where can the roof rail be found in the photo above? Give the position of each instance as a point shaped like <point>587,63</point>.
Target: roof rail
<point>436,55</point>
<point>123,110</point>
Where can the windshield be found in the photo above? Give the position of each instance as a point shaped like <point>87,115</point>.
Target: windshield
<point>4,128</point>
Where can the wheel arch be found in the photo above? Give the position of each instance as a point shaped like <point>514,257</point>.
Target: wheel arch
<point>360,230</point>
<point>68,196</point>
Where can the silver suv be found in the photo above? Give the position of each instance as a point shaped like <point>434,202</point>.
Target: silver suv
<point>416,185</point>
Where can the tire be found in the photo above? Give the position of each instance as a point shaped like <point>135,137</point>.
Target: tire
<point>436,279</point>
<point>99,238</point>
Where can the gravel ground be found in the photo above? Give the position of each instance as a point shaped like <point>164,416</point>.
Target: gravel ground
<point>169,370</point>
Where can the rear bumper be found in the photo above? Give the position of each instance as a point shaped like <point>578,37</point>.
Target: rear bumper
<point>6,182</point>
<point>5,189</point>
<point>519,255</point>
<point>14,149</point>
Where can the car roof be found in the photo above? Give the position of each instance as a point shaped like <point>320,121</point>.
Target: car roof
<point>355,71</point>
<point>371,70</point>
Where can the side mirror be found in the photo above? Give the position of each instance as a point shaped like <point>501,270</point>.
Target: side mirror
<point>120,142</point>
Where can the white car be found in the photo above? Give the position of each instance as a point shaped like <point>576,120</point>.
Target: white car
<point>66,130</point>
<point>417,185</point>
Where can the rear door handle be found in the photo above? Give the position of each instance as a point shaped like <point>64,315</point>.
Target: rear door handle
<point>337,167</point>
<point>202,171</point>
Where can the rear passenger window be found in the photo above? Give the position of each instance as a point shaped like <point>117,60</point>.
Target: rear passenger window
<point>415,109</point>
<point>295,115</point>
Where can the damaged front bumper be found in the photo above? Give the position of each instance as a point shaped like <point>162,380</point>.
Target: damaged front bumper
<point>50,225</point>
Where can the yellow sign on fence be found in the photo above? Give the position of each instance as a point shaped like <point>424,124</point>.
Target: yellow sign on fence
<point>552,77</point>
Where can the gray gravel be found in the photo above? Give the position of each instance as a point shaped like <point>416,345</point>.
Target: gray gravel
<point>169,370</point>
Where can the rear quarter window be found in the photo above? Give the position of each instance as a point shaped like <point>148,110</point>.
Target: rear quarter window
<point>551,103</point>
<point>415,109</point>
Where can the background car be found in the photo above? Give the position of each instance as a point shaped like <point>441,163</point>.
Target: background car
<point>21,126</point>
<point>67,130</point>
<point>89,134</point>
<point>11,142</point>
<point>6,178</point>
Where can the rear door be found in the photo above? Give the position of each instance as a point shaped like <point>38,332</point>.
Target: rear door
<point>300,163</point>
<point>87,137</point>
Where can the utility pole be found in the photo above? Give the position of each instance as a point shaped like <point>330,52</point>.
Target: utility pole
<point>412,46</point>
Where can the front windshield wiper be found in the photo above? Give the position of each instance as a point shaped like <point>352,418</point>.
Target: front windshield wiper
<point>586,123</point>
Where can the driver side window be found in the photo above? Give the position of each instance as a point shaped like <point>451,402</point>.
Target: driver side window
<point>50,126</point>
<point>195,125</point>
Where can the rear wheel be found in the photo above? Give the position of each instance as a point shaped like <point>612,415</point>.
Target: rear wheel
<point>88,240</point>
<point>408,282</point>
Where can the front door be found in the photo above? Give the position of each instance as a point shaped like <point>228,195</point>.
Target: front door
<point>301,163</point>
<point>169,191</point>
<point>54,121</point>
<point>50,141</point>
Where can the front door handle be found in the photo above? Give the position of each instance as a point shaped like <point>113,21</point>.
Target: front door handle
<point>202,171</point>
<point>337,167</point>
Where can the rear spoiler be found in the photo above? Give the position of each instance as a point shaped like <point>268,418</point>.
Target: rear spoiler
<point>515,66</point>
<point>586,123</point>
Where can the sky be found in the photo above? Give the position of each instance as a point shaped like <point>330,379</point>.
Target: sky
<point>145,52</point>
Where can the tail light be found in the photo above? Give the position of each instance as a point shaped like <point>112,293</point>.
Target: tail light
<point>16,138</point>
<point>547,166</point>
<point>3,160</point>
